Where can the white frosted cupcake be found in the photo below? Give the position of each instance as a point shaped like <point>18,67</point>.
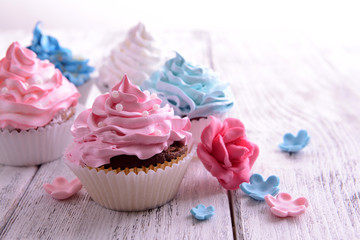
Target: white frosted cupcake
<point>36,108</point>
<point>129,153</point>
<point>137,56</point>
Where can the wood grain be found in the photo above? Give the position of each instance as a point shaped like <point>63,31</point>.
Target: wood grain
<point>283,84</point>
<point>13,183</point>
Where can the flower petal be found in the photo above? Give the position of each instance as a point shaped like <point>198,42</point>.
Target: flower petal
<point>232,134</point>
<point>210,163</point>
<point>233,181</point>
<point>256,178</point>
<point>210,132</point>
<point>236,152</point>
<point>278,212</point>
<point>270,200</point>
<point>232,123</point>
<point>273,181</point>
<point>220,152</point>
<point>302,201</point>
<point>246,187</point>
<point>49,188</point>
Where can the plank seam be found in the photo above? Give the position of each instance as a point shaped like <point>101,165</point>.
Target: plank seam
<point>18,203</point>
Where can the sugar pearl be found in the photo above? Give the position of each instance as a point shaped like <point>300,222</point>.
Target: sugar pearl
<point>147,93</point>
<point>115,94</point>
<point>119,107</point>
<point>145,113</point>
<point>157,132</point>
<point>156,107</point>
<point>153,95</point>
<point>4,90</point>
<point>101,124</point>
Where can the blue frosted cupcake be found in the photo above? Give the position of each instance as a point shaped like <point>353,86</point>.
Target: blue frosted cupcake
<point>76,70</point>
<point>192,91</point>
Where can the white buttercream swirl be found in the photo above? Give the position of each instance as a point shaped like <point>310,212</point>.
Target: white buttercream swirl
<point>137,57</point>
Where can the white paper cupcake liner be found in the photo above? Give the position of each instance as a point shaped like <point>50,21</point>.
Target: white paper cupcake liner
<point>132,192</point>
<point>34,146</point>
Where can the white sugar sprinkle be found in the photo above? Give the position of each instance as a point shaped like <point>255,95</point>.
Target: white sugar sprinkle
<point>156,107</point>
<point>145,113</point>
<point>119,107</point>
<point>4,90</point>
<point>115,94</point>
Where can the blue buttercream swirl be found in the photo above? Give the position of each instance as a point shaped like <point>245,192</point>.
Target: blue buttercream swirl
<point>191,90</point>
<point>75,70</point>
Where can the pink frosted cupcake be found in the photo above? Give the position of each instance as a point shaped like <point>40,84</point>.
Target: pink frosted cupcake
<point>129,153</point>
<point>36,108</point>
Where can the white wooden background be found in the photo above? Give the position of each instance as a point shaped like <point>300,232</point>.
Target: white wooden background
<point>283,82</point>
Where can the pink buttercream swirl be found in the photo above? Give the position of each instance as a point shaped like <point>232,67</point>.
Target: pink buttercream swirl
<point>125,121</point>
<point>226,153</point>
<point>32,91</point>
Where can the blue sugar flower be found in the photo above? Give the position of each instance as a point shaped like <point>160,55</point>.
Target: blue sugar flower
<point>258,188</point>
<point>75,70</point>
<point>200,212</point>
<point>294,144</point>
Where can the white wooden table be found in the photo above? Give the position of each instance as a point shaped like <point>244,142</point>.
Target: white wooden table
<point>283,82</point>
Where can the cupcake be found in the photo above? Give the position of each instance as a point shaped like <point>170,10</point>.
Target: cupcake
<point>226,153</point>
<point>37,104</point>
<point>129,153</point>
<point>75,69</point>
<point>137,56</point>
<point>193,91</point>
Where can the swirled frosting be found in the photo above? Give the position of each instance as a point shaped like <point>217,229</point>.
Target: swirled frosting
<point>191,90</point>
<point>75,70</point>
<point>137,57</point>
<point>125,121</point>
<point>32,91</point>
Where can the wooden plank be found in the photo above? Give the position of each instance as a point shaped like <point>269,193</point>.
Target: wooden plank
<point>39,216</point>
<point>13,183</point>
<point>283,84</point>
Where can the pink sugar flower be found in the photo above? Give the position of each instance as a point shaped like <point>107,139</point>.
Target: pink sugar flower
<point>226,153</point>
<point>62,189</point>
<point>284,206</point>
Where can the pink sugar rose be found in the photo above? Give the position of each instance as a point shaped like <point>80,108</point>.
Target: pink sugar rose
<point>226,153</point>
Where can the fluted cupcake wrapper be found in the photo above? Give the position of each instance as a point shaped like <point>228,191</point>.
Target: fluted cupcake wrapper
<point>132,192</point>
<point>34,146</point>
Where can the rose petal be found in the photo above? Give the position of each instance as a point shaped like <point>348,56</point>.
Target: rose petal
<point>233,180</point>
<point>212,165</point>
<point>210,132</point>
<point>232,123</point>
<point>232,134</point>
<point>253,150</point>
<point>242,171</point>
<point>220,152</point>
<point>255,154</point>
<point>236,153</point>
